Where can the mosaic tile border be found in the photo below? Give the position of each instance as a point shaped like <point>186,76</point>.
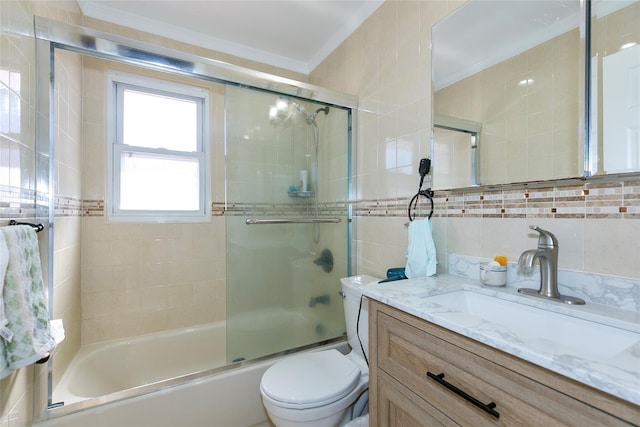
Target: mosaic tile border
<point>67,206</point>
<point>17,203</point>
<point>603,200</point>
<point>606,200</point>
<point>95,208</point>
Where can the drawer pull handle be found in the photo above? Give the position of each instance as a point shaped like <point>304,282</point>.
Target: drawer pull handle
<point>487,407</point>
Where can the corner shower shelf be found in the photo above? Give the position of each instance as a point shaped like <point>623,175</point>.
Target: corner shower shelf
<point>301,194</point>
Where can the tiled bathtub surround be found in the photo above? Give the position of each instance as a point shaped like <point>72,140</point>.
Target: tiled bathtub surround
<point>618,292</point>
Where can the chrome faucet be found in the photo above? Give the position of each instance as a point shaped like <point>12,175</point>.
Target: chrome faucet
<point>547,256</point>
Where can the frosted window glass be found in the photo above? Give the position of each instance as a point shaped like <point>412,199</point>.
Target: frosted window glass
<point>156,121</point>
<point>158,133</point>
<point>149,182</point>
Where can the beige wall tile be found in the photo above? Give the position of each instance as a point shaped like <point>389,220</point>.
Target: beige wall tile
<point>387,63</point>
<point>384,91</point>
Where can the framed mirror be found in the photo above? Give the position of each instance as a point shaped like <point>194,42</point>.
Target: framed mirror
<point>515,70</point>
<point>614,145</point>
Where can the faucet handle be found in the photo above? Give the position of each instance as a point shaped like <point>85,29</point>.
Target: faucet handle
<point>546,240</point>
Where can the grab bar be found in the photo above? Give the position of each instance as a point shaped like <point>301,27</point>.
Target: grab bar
<point>252,221</point>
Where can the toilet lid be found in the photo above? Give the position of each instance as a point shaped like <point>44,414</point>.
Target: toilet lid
<point>310,379</point>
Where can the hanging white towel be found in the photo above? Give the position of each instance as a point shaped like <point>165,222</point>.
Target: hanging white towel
<point>421,253</point>
<point>24,302</point>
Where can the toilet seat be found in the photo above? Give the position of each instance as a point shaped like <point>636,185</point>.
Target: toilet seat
<point>310,380</point>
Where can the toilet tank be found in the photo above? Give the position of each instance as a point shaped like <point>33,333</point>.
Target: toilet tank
<point>353,288</point>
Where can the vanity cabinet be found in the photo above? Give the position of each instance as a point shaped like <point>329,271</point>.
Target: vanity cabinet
<point>424,375</point>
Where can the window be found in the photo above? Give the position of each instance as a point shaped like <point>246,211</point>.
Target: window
<point>157,156</point>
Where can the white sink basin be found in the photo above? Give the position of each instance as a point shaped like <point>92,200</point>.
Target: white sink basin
<point>558,332</point>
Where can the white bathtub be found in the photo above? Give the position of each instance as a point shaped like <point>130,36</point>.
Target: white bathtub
<point>105,368</point>
<point>227,399</point>
<point>173,378</point>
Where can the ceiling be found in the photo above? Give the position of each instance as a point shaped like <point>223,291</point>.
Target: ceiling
<point>296,35</point>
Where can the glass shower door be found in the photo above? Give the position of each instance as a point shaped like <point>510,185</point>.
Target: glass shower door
<point>287,169</point>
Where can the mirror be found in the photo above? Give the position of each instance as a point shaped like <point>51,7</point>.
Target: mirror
<point>614,146</point>
<point>515,70</point>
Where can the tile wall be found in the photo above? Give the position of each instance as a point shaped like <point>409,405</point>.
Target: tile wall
<point>386,62</point>
<point>143,278</point>
<point>18,179</point>
<point>539,120</point>
<point>78,204</point>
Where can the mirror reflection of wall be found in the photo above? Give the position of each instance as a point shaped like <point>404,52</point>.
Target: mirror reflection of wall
<point>453,151</point>
<point>518,71</point>
<point>615,53</point>
<point>456,145</point>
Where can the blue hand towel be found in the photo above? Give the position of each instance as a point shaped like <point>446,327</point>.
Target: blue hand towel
<point>24,302</point>
<point>421,254</point>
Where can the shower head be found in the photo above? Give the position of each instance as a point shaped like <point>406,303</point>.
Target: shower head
<point>324,109</point>
<point>282,111</point>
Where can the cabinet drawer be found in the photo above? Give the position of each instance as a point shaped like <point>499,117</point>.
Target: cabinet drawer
<point>407,351</point>
<point>399,407</point>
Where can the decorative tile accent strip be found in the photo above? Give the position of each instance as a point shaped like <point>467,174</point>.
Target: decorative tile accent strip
<point>602,200</point>
<point>67,206</point>
<point>96,208</point>
<point>593,200</point>
<point>388,207</point>
<point>285,209</point>
<point>217,209</point>
<point>631,199</point>
<point>17,203</point>
<point>93,208</point>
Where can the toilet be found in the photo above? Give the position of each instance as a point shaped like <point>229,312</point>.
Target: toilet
<point>324,388</point>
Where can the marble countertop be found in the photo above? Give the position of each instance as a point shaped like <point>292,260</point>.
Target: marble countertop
<point>617,374</point>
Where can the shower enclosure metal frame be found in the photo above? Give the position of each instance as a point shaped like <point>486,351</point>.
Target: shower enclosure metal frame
<point>51,35</point>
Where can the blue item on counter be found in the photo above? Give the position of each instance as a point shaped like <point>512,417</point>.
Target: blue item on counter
<point>394,274</point>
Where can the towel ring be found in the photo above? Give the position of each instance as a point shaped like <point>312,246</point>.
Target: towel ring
<point>428,193</point>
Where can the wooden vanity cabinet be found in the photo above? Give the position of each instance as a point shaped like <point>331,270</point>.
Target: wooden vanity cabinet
<point>415,366</point>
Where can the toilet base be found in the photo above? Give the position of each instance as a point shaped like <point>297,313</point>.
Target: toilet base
<point>333,420</point>
<point>358,408</point>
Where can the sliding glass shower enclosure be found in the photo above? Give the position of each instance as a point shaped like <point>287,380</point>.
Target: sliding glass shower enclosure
<point>280,219</point>
<point>287,169</point>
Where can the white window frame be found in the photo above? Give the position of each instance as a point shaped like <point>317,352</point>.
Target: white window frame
<point>117,82</point>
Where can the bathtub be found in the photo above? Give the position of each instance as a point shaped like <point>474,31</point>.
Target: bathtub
<point>165,379</point>
<point>230,398</point>
<point>105,368</point>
